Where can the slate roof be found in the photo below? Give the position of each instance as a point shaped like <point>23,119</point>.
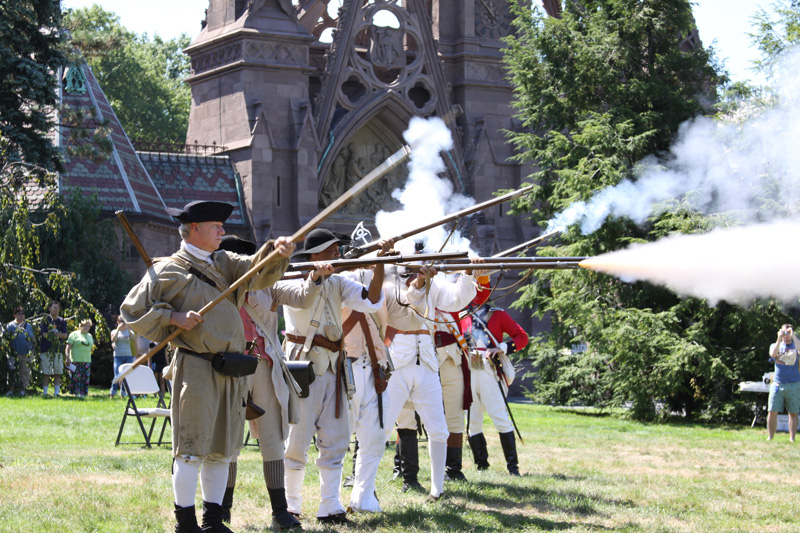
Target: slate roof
<point>143,183</point>
<point>120,180</point>
<point>184,178</point>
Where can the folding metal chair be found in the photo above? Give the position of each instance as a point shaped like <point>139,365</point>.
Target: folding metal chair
<point>141,381</point>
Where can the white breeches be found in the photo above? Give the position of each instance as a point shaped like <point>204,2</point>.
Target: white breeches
<point>453,392</point>
<point>370,435</point>
<point>486,397</point>
<point>421,386</point>
<point>318,415</point>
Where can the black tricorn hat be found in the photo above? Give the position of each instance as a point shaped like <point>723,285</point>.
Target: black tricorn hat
<point>201,211</point>
<point>237,245</point>
<point>320,239</point>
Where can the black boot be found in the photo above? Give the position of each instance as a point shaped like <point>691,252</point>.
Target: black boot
<point>409,459</point>
<point>212,518</point>
<point>510,451</point>
<point>455,442</point>
<point>187,520</point>
<point>281,517</point>
<point>480,454</point>
<point>227,503</point>
<point>453,465</point>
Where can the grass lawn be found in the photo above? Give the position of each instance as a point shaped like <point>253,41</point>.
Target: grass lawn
<point>60,471</point>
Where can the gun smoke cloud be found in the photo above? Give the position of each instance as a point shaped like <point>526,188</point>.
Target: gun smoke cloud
<point>426,197</point>
<point>736,265</point>
<point>714,166</point>
<point>747,167</point>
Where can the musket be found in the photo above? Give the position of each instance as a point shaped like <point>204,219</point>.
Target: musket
<point>528,265</point>
<point>358,251</point>
<point>345,264</point>
<point>535,259</point>
<point>132,235</point>
<point>527,245</point>
<point>391,162</point>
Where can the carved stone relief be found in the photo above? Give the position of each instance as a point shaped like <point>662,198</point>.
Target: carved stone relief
<point>386,47</point>
<point>355,160</point>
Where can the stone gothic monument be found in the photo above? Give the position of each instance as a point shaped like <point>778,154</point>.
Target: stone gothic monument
<point>303,119</point>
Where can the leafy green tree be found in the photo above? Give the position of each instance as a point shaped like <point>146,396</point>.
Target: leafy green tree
<point>141,77</point>
<point>32,50</point>
<point>598,90</point>
<point>775,33</point>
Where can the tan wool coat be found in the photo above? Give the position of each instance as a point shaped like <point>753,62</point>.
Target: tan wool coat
<point>208,408</point>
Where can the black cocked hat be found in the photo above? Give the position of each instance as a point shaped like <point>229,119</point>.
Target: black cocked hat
<point>201,211</point>
<point>237,245</point>
<point>320,239</point>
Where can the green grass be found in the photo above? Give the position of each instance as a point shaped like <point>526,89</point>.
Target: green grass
<point>60,471</point>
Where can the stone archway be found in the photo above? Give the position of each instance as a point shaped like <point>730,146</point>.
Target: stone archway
<point>359,154</point>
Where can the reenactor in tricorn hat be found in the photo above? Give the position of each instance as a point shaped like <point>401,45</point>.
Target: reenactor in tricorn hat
<point>315,334</point>
<point>208,412</point>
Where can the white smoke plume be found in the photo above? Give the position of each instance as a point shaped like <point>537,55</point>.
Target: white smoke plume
<point>426,197</point>
<point>736,265</point>
<point>717,166</point>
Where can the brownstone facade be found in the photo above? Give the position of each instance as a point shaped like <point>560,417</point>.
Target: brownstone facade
<point>303,119</point>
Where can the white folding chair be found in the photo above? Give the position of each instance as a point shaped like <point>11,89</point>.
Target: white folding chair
<point>141,381</point>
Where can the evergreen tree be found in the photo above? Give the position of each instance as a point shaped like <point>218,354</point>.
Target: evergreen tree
<point>596,91</point>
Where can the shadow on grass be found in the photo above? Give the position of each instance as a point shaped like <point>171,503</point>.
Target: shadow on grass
<point>674,421</point>
<point>449,515</point>
<point>588,412</point>
<point>487,506</point>
<point>514,495</point>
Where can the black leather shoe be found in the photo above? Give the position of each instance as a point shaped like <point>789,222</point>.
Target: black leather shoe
<point>339,519</point>
<point>413,486</point>
<point>187,521</point>
<point>284,521</point>
<point>212,518</point>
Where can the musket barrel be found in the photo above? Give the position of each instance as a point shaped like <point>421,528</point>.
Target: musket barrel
<point>539,259</point>
<point>550,265</point>
<point>363,262</point>
<point>371,247</point>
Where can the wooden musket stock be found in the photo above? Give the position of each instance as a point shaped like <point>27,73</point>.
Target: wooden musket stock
<point>132,235</point>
